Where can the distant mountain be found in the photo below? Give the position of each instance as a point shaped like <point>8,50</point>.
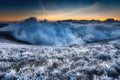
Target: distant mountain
<point>111,20</point>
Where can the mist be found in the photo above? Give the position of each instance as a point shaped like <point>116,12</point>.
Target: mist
<point>61,33</point>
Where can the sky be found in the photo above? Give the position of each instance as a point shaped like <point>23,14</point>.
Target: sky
<point>15,10</point>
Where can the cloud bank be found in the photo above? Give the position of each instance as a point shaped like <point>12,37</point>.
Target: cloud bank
<point>61,33</point>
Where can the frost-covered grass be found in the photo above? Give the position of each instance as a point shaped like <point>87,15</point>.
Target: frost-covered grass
<point>95,61</point>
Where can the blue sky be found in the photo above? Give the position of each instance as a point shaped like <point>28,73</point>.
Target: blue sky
<point>59,9</point>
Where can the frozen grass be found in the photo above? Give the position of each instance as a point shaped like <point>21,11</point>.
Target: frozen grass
<point>96,61</point>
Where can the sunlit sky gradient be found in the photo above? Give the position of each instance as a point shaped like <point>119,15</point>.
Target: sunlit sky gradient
<point>15,10</point>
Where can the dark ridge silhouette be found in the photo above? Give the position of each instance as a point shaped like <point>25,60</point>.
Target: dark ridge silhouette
<point>7,36</point>
<point>4,24</point>
<point>110,20</point>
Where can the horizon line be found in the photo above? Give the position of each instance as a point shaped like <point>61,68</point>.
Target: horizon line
<point>59,20</point>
